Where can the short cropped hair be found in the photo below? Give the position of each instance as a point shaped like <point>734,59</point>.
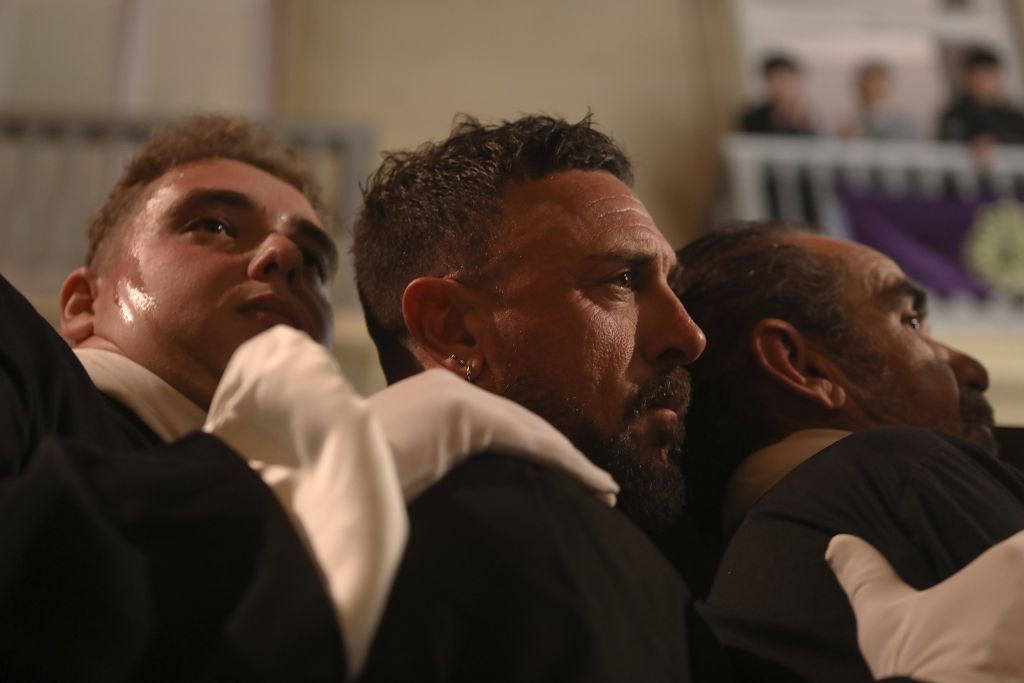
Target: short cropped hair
<point>729,280</point>
<point>980,58</point>
<point>195,138</point>
<point>432,211</point>
<point>779,62</point>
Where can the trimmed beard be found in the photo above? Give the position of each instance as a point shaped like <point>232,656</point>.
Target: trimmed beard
<point>652,488</point>
<point>978,420</point>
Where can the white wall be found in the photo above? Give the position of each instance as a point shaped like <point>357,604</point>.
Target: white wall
<point>58,53</point>
<point>141,56</point>
<point>408,66</point>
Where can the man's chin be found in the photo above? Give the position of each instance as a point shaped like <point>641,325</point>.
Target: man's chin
<point>978,421</point>
<point>657,434</point>
<point>982,435</point>
<point>646,466</point>
<point>639,453</point>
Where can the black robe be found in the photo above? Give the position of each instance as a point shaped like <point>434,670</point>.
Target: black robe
<point>930,503</point>
<point>122,558</point>
<point>516,573</point>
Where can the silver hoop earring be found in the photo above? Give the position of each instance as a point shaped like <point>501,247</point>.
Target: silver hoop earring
<point>464,364</point>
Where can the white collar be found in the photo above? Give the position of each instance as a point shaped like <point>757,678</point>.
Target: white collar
<point>766,467</point>
<point>163,408</point>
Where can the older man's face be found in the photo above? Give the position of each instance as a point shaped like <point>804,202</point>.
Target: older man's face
<point>586,330</point>
<point>918,380</point>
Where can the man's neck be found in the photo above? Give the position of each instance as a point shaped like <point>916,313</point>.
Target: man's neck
<point>766,467</point>
<point>194,383</point>
<point>164,409</point>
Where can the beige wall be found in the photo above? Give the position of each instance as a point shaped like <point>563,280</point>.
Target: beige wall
<point>659,75</point>
<point>1017,11</point>
<point>144,56</point>
<point>44,61</point>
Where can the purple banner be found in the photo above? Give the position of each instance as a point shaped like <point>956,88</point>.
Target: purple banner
<point>942,243</point>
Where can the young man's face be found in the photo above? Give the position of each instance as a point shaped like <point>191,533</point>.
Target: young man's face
<point>586,330</point>
<point>874,86</point>
<point>215,252</point>
<point>985,84</point>
<point>784,85</point>
<point>920,381</point>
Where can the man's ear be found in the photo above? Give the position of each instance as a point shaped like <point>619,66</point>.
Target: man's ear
<point>785,356</point>
<point>439,314</point>
<point>77,301</point>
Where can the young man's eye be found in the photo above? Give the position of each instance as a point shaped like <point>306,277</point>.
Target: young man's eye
<point>212,226</point>
<point>914,322</point>
<point>315,265</point>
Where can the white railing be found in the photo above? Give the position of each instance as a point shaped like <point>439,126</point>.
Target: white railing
<point>807,173</point>
<point>896,166</point>
<point>799,179</point>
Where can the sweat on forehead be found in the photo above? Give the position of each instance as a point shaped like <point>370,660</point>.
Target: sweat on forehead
<point>194,139</point>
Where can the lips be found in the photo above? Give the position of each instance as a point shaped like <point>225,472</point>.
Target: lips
<point>669,404</point>
<point>272,306</point>
<point>671,393</point>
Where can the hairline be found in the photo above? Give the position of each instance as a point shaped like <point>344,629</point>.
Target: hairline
<point>496,169</point>
<point>113,237</point>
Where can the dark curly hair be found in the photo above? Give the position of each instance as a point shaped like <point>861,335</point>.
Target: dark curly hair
<point>729,280</point>
<point>196,138</point>
<point>431,211</point>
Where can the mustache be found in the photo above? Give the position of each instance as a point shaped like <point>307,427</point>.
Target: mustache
<point>978,420</point>
<point>974,408</point>
<point>671,391</point>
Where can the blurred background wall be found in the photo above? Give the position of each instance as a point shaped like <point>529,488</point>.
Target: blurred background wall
<point>666,78</point>
<point>659,75</point>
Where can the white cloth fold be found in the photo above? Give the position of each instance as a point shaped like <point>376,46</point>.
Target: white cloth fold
<point>163,408</point>
<point>283,405</point>
<point>434,420</point>
<point>967,628</point>
<point>340,464</point>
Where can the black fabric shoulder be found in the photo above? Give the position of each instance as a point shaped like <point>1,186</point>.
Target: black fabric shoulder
<point>516,573</point>
<point>928,501</point>
<point>44,390</point>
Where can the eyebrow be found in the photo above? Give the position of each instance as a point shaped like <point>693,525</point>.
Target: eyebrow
<point>634,258</point>
<point>231,198</point>
<point>309,230</point>
<point>324,243</point>
<point>903,289</point>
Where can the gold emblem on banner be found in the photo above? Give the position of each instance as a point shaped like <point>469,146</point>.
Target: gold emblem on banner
<point>993,247</point>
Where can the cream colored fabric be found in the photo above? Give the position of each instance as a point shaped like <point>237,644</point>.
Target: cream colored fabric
<point>766,467</point>
<point>339,464</point>
<point>333,474</point>
<point>163,408</point>
<point>345,480</point>
<point>435,419</point>
<point>284,405</point>
<point>967,628</point>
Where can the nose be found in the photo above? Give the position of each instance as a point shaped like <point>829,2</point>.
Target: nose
<point>277,256</point>
<point>673,336</point>
<point>968,371</point>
